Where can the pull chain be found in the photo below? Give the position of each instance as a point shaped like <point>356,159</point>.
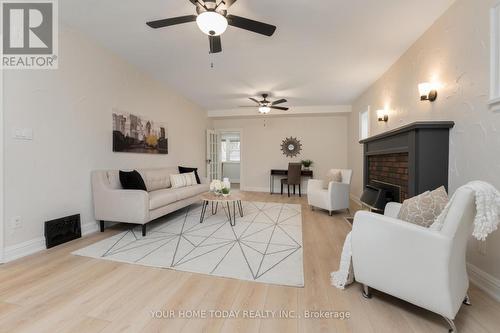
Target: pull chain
<point>211,59</point>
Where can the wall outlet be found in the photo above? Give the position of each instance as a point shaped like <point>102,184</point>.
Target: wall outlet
<point>22,133</point>
<point>15,223</point>
<point>481,247</point>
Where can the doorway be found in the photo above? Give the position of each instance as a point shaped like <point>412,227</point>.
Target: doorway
<point>230,156</point>
<point>224,155</point>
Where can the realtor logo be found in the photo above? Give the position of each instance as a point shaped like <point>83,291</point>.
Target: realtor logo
<point>29,30</point>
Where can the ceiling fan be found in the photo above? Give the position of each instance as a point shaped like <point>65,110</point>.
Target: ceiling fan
<point>265,105</point>
<point>212,19</point>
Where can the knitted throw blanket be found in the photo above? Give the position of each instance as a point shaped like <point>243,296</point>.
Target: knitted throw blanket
<point>487,210</point>
<point>345,275</point>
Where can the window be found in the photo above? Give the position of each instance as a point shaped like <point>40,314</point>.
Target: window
<point>230,148</point>
<point>364,124</point>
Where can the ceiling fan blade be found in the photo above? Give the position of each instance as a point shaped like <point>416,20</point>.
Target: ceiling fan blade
<point>279,102</point>
<point>251,25</point>
<point>279,108</point>
<point>171,21</point>
<point>215,44</point>
<point>227,3</point>
<point>253,99</point>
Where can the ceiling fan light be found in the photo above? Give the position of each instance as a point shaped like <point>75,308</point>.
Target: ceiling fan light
<point>264,109</point>
<point>212,23</point>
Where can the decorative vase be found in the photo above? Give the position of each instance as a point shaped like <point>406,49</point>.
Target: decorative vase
<point>227,183</point>
<point>225,195</point>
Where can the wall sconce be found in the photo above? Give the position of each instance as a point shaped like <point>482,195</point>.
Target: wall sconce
<point>383,115</point>
<point>427,91</point>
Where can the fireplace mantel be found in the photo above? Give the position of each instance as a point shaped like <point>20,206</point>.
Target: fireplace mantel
<point>414,157</point>
<point>412,127</point>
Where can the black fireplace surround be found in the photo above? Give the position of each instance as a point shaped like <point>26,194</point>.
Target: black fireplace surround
<point>405,162</point>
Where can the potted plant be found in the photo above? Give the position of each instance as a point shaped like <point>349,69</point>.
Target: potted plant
<point>219,188</point>
<point>306,164</point>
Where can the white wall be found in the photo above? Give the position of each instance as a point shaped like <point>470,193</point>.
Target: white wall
<point>70,110</point>
<point>456,51</point>
<point>324,140</point>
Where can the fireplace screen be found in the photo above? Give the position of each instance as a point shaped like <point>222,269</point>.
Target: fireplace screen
<point>378,194</point>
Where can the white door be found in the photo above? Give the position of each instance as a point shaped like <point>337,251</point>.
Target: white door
<point>212,155</point>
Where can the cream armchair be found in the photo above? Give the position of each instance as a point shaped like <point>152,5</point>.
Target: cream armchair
<point>413,263</point>
<point>336,197</point>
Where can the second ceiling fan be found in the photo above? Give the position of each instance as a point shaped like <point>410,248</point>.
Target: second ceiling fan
<point>266,105</point>
<point>212,19</point>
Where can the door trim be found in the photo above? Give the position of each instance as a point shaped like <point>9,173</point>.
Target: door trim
<point>2,149</point>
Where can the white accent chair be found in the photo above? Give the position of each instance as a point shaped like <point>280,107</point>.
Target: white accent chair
<point>336,197</point>
<point>419,265</point>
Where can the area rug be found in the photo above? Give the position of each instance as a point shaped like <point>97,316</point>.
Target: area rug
<point>264,246</point>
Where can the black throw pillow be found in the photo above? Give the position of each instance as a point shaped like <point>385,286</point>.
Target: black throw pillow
<point>132,180</point>
<point>188,170</point>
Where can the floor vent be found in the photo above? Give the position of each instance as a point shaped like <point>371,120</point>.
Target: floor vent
<point>62,230</point>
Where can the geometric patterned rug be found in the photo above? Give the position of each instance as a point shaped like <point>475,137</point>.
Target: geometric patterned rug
<point>264,246</point>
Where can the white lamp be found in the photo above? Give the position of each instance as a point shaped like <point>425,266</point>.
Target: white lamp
<point>264,109</point>
<point>212,23</point>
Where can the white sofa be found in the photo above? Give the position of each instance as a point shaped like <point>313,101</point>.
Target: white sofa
<point>419,265</point>
<point>336,197</point>
<point>114,204</point>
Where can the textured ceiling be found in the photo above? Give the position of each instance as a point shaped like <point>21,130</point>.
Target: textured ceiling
<point>323,52</point>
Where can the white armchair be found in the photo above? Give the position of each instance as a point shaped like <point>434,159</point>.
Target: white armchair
<point>413,263</point>
<point>336,197</point>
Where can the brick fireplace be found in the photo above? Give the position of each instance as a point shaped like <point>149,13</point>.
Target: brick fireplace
<point>391,169</point>
<point>405,162</point>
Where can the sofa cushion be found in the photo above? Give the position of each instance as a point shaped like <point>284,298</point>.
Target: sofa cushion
<point>191,191</point>
<point>424,208</point>
<point>160,198</point>
<point>132,180</point>
<point>183,180</point>
<point>334,175</point>
<point>113,179</point>
<point>188,170</point>
<point>157,179</point>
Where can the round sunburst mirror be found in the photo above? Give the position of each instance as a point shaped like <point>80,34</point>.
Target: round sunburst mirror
<point>291,147</point>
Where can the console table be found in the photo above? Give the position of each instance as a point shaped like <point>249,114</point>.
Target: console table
<point>283,173</point>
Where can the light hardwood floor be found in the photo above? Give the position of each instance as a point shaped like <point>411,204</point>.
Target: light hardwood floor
<point>54,291</point>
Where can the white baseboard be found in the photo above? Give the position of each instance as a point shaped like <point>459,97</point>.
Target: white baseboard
<point>254,189</point>
<point>38,244</point>
<point>484,281</point>
<point>356,199</point>
<point>89,228</point>
<point>266,190</point>
<point>23,249</point>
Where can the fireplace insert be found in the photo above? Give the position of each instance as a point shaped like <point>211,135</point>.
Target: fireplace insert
<point>377,194</point>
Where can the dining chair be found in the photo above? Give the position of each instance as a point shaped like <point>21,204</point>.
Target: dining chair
<point>293,178</point>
